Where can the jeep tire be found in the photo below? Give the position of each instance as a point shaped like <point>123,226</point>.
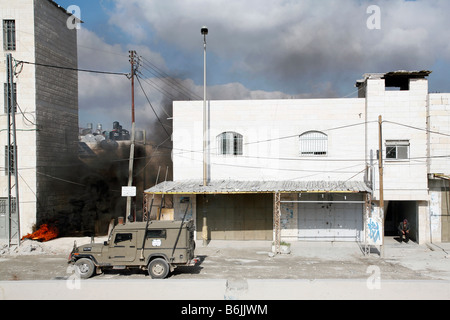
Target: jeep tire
<point>158,268</point>
<point>84,268</point>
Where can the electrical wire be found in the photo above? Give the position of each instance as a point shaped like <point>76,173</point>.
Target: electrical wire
<point>170,79</point>
<point>148,100</point>
<point>74,69</point>
<point>416,128</point>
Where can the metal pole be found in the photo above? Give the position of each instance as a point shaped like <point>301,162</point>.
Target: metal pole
<point>8,147</point>
<point>204,32</point>
<point>13,218</point>
<point>380,172</point>
<point>131,161</point>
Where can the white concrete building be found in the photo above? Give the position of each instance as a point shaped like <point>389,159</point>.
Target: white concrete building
<point>304,144</point>
<point>35,31</point>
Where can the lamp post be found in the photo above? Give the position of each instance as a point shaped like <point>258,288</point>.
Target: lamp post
<point>204,32</point>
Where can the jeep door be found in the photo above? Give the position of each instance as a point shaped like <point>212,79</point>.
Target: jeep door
<point>123,247</point>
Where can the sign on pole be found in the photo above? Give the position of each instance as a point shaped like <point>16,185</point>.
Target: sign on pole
<point>128,191</point>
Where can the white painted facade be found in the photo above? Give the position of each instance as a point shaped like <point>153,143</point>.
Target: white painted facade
<point>271,131</point>
<point>23,13</point>
<point>47,113</point>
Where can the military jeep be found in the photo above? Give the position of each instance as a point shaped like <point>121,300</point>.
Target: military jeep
<point>157,246</point>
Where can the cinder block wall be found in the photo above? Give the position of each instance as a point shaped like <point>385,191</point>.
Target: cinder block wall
<point>56,109</point>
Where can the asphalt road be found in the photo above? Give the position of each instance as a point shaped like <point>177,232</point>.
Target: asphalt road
<point>229,270</point>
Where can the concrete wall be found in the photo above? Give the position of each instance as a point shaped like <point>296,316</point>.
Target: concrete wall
<point>403,179</point>
<point>271,130</point>
<point>47,120</point>
<point>56,107</point>
<point>23,13</point>
<point>439,121</point>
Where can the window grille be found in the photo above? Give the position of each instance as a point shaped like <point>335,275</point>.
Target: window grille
<point>313,143</point>
<point>9,35</point>
<point>230,143</point>
<point>9,158</point>
<point>4,206</point>
<point>397,149</point>
<point>7,93</point>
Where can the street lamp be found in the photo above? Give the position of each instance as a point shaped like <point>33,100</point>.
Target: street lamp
<point>204,32</point>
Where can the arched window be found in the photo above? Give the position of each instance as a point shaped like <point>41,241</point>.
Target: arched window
<point>313,143</point>
<point>229,143</point>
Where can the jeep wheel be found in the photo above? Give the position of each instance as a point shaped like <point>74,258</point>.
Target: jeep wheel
<point>84,268</point>
<point>158,268</point>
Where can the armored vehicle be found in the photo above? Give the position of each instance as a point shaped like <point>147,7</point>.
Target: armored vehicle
<point>156,246</point>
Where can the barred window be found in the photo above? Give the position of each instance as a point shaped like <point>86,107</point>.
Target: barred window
<point>9,35</point>
<point>313,143</point>
<point>230,143</point>
<point>9,158</point>
<point>4,206</point>
<point>7,93</point>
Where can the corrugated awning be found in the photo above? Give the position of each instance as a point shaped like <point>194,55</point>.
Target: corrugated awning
<point>240,187</point>
<point>442,176</point>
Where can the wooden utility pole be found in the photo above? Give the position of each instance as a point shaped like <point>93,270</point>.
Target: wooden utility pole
<point>380,172</point>
<point>131,162</point>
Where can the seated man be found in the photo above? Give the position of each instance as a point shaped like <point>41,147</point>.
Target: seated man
<point>403,230</point>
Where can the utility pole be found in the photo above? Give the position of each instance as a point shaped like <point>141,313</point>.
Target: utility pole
<point>204,32</point>
<point>13,218</point>
<point>131,161</point>
<point>380,172</point>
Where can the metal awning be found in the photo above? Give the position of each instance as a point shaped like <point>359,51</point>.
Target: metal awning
<point>243,187</point>
<point>441,176</point>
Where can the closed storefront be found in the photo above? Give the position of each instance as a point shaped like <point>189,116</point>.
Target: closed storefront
<point>319,220</point>
<point>271,210</point>
<point>236,216</point>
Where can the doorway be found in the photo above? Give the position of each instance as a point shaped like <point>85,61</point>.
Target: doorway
<point>396,212</point>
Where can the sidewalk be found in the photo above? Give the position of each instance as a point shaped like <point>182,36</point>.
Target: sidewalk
<point>327,260</point>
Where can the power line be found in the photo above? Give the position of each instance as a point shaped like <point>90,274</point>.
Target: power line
<point>73,69</point>
<point>417,128</point>
<point>152,83</point>
<point>148,100</point>
<point>290,137</point>
<point>170,79</point>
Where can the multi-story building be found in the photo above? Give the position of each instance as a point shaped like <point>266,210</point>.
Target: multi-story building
<point>36,33</point>
<point>309,169</point>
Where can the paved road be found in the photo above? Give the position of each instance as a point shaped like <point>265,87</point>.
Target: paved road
<point>231,270</point>
<point>221,289</point>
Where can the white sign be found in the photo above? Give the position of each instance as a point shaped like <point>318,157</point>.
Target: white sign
<point>156,242</point>
<point>128,191</point>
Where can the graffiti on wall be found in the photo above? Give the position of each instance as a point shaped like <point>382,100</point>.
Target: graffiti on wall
<point>374,232</point>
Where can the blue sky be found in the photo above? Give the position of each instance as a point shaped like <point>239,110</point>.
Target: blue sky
<point>256,49</point>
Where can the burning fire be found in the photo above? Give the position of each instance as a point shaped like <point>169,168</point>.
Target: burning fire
<point>43,234</point>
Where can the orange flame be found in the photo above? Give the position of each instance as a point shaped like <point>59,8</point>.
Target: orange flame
<point>43,234</point>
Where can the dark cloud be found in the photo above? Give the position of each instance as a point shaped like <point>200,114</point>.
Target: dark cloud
<point>294,44</point>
